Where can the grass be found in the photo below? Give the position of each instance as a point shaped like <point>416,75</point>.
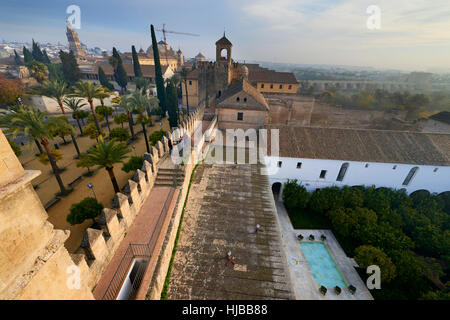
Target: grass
<point>165,289</point>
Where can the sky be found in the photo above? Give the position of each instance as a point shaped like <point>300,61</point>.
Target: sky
<point>413,34</point>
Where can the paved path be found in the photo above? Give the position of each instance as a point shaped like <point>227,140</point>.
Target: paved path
<point>225,204</point>
<point>140,232</point>
<point>305,286</point>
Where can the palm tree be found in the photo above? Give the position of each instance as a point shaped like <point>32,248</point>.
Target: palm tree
<point>75,105</point>
<point>25,120</point>
<point>63,125</point>
<point>105,155</point>
<point>183,74</point>
<point>55,90</point>
<point>101,96</point>
<point>123,103</point>
<point>90,92</point>
<point>140,103</point>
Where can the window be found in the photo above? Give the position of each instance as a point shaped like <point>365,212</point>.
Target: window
<point>237,99</point>
<point>290,86</point>
<point>240,116</point>
<point>435,169</point>
<point>281,86</point>
<point>394,167</point>
<point>271,86</point>
<point>410,175</point>
<point>280,163</point>
<point>342,172</point>
<point>245,99</point>
<point>190,82</point>
<point>262,85</point>
<point>299,165</point>
<point>323,173</point>
<point>367,165</point>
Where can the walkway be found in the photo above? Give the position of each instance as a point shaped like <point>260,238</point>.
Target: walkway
<point>141,232</point>
<point>305,286</point>
<point>226,202</point>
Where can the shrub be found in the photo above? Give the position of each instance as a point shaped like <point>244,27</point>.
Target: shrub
<point>15,147</point>
<point>121,119</point>
<point>133,164</point>
<point>326,199</point>
<point>119,134</point>
<point>88,208</point>
<point>367,255</point>
<point>91,131</point>
<point>156,136</point>
<point>57,155</point>
<point>295,196</point>
<point>158,111</point>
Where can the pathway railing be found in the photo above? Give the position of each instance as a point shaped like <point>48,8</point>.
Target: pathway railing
<point>140,250</point>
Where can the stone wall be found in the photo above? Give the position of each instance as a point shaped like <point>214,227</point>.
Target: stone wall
<point>99,246</point>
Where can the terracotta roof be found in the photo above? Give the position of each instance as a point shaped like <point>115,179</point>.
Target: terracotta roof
<point>237,86</point>
<point>147,70</point>
<point>193,75</point>
<point>265,75</point>
<point>364,145</point>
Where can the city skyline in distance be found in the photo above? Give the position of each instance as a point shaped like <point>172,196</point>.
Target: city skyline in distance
<point>412,35</point>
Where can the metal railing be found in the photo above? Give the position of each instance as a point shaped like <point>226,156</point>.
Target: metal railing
<point>140,250</point>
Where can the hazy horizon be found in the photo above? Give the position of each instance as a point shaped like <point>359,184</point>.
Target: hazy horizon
<point>412,36</point>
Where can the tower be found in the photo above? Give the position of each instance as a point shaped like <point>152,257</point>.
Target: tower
<point>180,58</point>
<point>74,42</point>
<point>223,50</point>
<point>34,264</point>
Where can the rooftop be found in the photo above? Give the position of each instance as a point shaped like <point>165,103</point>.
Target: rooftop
<point>364,145</point>
<point>237,86</point>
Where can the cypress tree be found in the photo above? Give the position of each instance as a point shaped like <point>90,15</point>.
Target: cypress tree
<point>119,71</point>
<point>136,64</point>
<point>158,74</point>
<point>70,68</point>
<point>172,103</point>
<point>37,53</point>
<point>46,58</point>
<point>18,61</point>
<point>27,56</point>
<point>104,80</point>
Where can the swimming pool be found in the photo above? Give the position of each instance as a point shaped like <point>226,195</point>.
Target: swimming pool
<point>322,265</point>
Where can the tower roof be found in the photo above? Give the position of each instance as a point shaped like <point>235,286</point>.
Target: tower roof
<point>224,41</point>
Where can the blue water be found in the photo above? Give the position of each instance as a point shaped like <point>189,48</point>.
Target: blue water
<point>322,265</point>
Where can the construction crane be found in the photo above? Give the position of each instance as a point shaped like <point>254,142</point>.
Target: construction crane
<point>164,31</point>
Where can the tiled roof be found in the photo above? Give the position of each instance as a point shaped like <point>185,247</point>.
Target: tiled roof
<point>244,86</point>
<point>265,75</point>
<point>193,75</point>
<point>364,145</point>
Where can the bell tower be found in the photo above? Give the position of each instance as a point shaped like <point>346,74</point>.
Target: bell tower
<point>223,50</point>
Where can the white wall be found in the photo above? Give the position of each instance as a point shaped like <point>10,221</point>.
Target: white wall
<point>378,174</point>
<point>50,105</point>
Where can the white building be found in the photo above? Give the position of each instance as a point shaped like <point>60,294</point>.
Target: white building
<point>324,157</point>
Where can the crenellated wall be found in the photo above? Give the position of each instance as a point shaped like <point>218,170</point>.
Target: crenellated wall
<point>99,246</point>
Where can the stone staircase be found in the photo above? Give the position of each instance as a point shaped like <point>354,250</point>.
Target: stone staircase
<point>170,177</point>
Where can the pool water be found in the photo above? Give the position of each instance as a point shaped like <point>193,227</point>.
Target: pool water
<point>322,265</point>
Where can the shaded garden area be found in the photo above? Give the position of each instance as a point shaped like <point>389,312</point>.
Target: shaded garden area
<point>408,237</point>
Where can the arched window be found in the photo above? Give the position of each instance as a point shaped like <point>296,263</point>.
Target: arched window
<point>237,99</point>
<point>342,172</point>
<point>410,175</point>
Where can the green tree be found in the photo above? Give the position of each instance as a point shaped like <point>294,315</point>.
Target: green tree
<point>139,102</point>
<point>56,90</point>
<point>27,56</point>
<point>295,196</point>
<point>15,147</point>
<point>120,119</point>
<point>90,92</point>
<point>106,111</point>
<point>75,105</point>
<point>37,53</point>
<point>119,134</point>
<point>38,70</point>
<point>104,80</point>
<point>133,164</point>
<point>105,155</point>
<point>172,103</point>
<point>368,255</point>
<point>17,60</point>
<point>30,123</point>
<point>88,208</point>
<point>92,132</point>
<point>46,59</point>
<point>119,72</point>
<point>70,68</point>
<point>136,64</point>
<point>158,73</point>
<point>156,136</point>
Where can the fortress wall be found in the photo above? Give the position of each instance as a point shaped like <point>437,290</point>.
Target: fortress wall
<point>99,246</point>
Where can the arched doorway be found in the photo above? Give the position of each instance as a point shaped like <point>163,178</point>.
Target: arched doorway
<point>276,190</point>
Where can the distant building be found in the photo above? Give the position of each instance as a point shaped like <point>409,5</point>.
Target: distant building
<point>74,42</point>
